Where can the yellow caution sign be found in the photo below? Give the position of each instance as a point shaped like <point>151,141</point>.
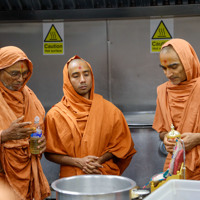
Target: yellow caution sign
<point>53,35</point>
<point>162,32</point>
<point>53,39</point>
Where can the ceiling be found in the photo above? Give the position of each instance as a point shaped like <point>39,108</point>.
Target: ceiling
<point>93,9</point>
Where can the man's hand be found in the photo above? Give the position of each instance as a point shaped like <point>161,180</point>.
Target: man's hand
<point>16,131</point>
<point>89,164</point>
<point>169,144</point>
<point>92,167</point>
<point>190,140</point>
<point>162,135</point>
<point>42,144</point>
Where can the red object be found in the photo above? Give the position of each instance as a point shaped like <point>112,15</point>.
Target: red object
<point>178,161</point>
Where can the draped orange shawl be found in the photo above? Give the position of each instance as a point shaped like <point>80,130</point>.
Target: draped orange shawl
<point>180,104</point>
<point>79,127</point>
<point>22,171</point>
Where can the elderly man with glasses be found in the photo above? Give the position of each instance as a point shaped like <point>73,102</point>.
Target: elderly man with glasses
<point>20,171</point>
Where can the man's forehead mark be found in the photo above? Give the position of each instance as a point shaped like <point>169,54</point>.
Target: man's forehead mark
<point>22,66</point>
<point>80,67</point>
<point>165,61</point>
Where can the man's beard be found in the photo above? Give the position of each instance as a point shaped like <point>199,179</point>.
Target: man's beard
<point>7,86</point>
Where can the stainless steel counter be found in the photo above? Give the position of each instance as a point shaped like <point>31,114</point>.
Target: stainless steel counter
<point>142,119</point>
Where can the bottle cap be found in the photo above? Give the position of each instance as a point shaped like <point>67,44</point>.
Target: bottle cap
<point>36,120</point>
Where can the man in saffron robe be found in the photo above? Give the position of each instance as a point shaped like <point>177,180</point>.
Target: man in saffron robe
<point>178,102</point>
<point>85,133</point>
<point>20,171</point>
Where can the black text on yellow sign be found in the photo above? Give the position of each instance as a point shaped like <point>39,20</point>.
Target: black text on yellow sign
<point>53,48</point>
<point>53,43</point>
<point>160,36</point>
<point>156,45</point>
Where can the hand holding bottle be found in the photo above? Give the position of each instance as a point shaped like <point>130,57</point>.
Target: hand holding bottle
<point>42,144</point>
<point>170,139</point>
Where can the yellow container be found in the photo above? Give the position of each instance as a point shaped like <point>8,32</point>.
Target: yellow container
<point>180,175</point>
<point>173,134</point>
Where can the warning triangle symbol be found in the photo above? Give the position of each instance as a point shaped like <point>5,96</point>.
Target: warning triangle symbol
<point>162,32</point>
<point>53,35</point>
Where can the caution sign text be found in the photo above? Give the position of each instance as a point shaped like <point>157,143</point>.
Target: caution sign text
<point>157,44</point>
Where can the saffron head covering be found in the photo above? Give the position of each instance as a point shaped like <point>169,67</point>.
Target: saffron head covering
<point>9,55</point>
<point>67,86</point>
<point>187,56</point>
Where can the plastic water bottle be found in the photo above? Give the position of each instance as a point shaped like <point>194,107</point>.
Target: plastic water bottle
<point>35,137</point>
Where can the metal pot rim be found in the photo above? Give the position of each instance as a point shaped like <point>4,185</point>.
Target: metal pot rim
<point>53,185</point>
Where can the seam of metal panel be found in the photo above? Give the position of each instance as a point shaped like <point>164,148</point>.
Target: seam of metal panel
<point>139,126</point>
<point>109,62</point>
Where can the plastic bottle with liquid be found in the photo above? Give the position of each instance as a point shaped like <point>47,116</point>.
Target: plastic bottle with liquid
<point>35,137</point>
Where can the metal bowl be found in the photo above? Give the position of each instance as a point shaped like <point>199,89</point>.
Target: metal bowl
<point>139,193</point>
<point>93,187</point>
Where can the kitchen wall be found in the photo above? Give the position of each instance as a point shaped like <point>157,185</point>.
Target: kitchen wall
<point>125,72</point>
<point>118,50</point>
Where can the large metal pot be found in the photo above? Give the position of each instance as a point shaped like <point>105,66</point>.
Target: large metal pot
<point>93,187</point>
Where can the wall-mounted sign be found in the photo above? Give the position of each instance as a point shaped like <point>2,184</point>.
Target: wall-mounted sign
<point>161,30</point>
<point>53,39</point>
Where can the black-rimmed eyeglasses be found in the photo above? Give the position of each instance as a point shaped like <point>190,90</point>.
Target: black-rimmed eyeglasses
<point>17,74</point>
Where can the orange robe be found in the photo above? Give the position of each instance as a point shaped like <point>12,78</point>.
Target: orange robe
<point>180,105</point>
<point>21,170</point>
<point>78,127</point>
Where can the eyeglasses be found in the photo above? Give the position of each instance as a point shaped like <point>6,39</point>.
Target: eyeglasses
<point>17,74</point>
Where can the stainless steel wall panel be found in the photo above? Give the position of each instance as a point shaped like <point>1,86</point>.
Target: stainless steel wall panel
<point>188,28</point>
<point>86,39</point>
<point>135,71</point>
<point>148,161</point>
